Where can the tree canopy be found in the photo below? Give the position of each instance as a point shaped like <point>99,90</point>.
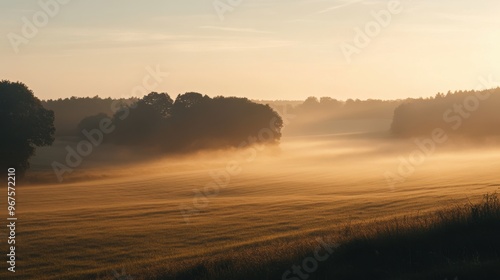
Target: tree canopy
<point>194,121</point>
<point>24,123</point>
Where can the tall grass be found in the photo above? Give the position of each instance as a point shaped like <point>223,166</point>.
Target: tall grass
<point>459,242</point>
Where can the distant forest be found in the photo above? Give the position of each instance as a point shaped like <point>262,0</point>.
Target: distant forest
<point>196,120</point>
<point>471,114</point>
<point>70,111</point>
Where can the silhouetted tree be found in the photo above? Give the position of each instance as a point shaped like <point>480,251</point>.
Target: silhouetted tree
<point>195,121</point>
<point>159,102</point>
<point>145,120</point>
<point>187,101</point>
<point>24,123</point>
<point>222,122</point>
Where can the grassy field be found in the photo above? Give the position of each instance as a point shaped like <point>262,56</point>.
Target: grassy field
<point>113,216</point>
<point>459,242</point>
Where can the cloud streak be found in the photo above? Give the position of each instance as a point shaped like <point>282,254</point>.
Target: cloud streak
<point>232,29</point>
<point>349,3</point>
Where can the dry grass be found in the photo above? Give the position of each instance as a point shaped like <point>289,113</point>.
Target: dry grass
<point>460,242</point>
<point>266,219</point>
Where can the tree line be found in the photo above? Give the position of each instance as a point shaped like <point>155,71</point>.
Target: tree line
<point>192,122</point>
<point>70,111</point>
<point>469,114</point>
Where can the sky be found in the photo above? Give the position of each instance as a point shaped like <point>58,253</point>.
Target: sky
<point>260,49</point>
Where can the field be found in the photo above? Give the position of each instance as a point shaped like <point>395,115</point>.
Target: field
<point>148,216</point>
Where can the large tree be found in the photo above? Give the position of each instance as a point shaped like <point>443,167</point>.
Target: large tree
<point>195,122</point>
<point>158,102</point>
<point>24,125</point>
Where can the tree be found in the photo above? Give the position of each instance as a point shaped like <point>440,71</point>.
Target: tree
<point>144,120</point>
<point>160,102</point>
<point>24,124</point>
<point>311,102</point>
<point>196,122</point>
<point>187,101</point>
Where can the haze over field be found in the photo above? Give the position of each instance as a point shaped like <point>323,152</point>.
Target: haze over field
<point>244,140</point>
<point>222,194</point>
<point>309,187</point>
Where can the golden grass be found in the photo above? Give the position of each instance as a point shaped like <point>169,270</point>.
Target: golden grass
<point>128,215</point>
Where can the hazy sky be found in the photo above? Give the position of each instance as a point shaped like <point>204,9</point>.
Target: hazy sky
<point>261,49</point>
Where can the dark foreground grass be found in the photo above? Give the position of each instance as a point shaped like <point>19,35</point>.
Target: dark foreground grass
<point>462,242</point>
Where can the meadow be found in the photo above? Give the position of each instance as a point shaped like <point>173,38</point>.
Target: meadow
<point>149,220</point>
